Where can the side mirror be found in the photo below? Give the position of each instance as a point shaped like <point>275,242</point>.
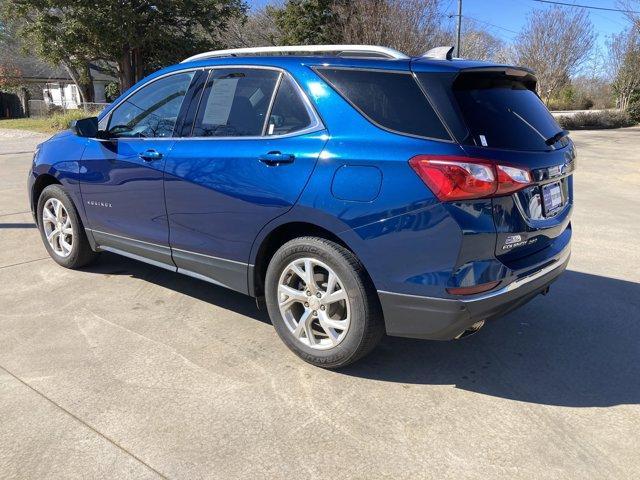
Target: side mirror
<point>86,127</point>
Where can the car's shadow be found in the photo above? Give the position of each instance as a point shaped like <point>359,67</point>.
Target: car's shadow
<point>579,346</point>
<point>111,264</point>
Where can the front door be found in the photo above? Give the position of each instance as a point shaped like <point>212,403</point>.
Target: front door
<point>122,187</point>
<point>254,144</point>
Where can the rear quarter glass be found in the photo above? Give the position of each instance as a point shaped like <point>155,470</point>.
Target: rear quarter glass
<point>391,100</point>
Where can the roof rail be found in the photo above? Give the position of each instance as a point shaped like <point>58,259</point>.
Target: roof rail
<point>340,50</point>
<point>440,53</point>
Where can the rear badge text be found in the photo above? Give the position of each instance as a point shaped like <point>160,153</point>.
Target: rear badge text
<point>514,241</point>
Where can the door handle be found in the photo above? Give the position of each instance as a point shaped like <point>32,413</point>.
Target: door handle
<point>150,155</point>
<point>274,159</point>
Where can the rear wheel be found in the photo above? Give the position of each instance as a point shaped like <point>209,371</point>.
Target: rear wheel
<point>61,229</point>
<point>321,302</point>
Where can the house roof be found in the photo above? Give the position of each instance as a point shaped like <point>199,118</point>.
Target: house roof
<point>32,68</point>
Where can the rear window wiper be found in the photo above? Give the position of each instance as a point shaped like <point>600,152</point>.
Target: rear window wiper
<point>561,134</point>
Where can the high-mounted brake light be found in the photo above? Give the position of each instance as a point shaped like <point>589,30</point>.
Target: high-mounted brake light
<point>453,178</point>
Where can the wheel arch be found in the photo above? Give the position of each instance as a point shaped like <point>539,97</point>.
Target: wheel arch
<point>277,237</point>
<point>41,182</point>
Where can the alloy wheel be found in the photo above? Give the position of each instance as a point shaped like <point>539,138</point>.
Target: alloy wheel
<point>57,227</point>
<point>313,303</point>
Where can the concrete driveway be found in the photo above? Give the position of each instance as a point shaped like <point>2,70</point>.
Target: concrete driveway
<point>123,370</point>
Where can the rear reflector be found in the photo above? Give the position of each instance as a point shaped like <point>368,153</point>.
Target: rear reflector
<point>453,178</point>
<point>483,287</point>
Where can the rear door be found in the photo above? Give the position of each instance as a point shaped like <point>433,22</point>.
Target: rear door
<point>122,186</point>
<point>496,115</point>
<point>244,160</point>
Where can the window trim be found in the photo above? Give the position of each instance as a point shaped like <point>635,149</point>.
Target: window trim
<point>316,124</point>
<point>199,106</point>
<point>319,69</point>
<point>272,100</point>
<point>107,117</point>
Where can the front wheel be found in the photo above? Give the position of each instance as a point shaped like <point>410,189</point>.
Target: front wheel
<point>61,229</point>
<point>321,302</point>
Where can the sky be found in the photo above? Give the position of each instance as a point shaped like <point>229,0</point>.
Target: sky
<point>504,18</point>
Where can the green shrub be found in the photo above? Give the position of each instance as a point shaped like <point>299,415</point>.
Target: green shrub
<point>61,121</point>
<point>54,123</point>
<point>112,91</point>
<point>596,120</point>
<point>633,110</point>
<point>570,98</point>
<point>585,104</point>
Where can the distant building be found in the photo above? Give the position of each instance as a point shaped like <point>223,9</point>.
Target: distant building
<point>52,86</point>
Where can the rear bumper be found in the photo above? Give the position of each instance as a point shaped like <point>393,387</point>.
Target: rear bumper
<point>444,319</point>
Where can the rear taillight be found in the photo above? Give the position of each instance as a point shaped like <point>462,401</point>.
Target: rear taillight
<point>511,179</point>
<point>463,178</point>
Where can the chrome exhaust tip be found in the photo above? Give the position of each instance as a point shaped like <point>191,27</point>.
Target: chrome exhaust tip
<point>471,330</point>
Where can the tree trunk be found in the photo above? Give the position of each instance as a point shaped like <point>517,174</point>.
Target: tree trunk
<point>82,79</point>
<point>86,89</point>
<point>125,70</point>
<point>624,101</point>
<point>137,64</point>
<point>23,95</point>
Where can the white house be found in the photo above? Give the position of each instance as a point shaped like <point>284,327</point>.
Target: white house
<point>65,94</point>
<point>45,86</point>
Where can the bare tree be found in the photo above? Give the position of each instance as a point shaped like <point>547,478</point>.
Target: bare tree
<point>411,26</point>
<point>632,7</point>
<point>624,64</point>
<point>256,30</point>
<point>478,44</point>
<point>556,43</point>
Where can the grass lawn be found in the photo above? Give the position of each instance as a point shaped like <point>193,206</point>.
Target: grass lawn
<point>51,124</point>
<point>34,124</point>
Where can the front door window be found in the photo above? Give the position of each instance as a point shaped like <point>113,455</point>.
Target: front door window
<point>151,112</point>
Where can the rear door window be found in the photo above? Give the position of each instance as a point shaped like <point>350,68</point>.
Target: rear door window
<point>235,103</point>
<point>391,100</point>
<point>503,112</point>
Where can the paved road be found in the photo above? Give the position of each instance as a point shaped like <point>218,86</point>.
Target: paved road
<point>125,370</point>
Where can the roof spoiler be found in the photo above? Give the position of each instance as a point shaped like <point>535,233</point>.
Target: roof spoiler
<point>525,74</point>
<point>510,70</point>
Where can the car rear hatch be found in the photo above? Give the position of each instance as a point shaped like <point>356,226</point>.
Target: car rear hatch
<point>497,118</point>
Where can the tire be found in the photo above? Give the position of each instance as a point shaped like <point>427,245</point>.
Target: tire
<point>346,301</point>
<point>80,253</point>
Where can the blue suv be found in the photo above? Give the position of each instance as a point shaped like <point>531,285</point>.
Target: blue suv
<point>352,190</point>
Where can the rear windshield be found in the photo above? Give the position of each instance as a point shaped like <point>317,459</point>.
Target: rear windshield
<point>391,100</point>
<point>503,112</point>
